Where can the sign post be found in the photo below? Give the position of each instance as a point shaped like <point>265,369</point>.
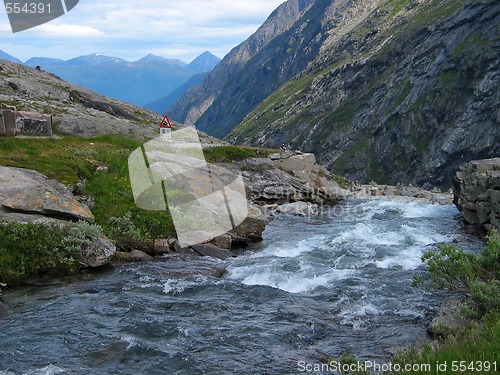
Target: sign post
<point>165,128</point>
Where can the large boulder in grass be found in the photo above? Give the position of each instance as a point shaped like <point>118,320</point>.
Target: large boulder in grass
<point>26,191</point>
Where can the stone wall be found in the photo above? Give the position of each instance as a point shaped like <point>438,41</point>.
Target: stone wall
<point>13,122</point>
<point>476,189</point>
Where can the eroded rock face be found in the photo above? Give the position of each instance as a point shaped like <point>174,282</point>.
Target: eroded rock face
<point>476,189</point>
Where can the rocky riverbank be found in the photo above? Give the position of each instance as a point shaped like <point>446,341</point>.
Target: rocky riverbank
<point>476,189</point>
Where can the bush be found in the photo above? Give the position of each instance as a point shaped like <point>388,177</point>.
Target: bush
<point>123,228</point>
<point>474,276</point>
<point>30,250</point>
<point>80,239</point>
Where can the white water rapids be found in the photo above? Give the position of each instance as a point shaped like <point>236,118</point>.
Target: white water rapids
<point>316,287</point>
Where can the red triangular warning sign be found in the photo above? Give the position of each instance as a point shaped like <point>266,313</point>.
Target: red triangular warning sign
<point>165,123</point>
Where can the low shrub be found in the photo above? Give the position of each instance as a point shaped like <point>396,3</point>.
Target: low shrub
<point>30,250</point>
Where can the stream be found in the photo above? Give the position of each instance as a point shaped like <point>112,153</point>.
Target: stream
<point>315,288</point>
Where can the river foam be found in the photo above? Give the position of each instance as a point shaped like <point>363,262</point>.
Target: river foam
<point>379,233</point>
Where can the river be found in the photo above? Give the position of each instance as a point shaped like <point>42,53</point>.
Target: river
<point>315,288</point>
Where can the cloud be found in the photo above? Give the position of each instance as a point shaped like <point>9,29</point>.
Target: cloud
<point>131,29</point>
<point>69,31</point>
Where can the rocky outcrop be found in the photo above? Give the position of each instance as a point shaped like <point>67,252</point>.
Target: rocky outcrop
<point>27,192</point>
<point>289,178</point>
<point>13,122</point>
<point>389,91</point>
<point>97,254</point>
<point>476,189</point>
<point>401,193</point>
<point>39,101</point>
<point>196,101</point>
<point>27,196</point>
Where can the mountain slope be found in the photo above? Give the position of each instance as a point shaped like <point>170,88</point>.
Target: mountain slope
<point>75,110</point>
<point>6,56</point>
<point>163,105</point>
<point>400,91</point>
<point>195,101</point>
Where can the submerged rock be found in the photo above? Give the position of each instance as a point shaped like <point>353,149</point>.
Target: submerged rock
<point>132,256</point>
<point>3,310</point>
<point>212,251</point>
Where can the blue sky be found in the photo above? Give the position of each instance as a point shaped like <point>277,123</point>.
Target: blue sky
<point>180,29</point>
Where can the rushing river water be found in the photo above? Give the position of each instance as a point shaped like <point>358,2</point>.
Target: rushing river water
<point>317,287</point>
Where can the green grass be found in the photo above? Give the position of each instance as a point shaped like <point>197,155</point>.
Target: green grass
<point>70,159</point>
<point>228,154</point>
<point>448,77</point>
<point>475,347</point>
<point>341,117</point>
<point>404,94</point>
<point>476,277</point>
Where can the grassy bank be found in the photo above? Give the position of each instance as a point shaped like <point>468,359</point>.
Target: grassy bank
<point>475,349</point>
<point>71,159</point>
<point>26,251</point>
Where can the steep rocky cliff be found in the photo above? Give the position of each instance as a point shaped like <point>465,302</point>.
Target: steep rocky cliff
<point>406,95</point>
<point>396,91</point>
<point>226,79</point>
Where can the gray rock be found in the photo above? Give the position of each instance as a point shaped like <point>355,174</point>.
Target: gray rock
<point>102,252</point>
<point>250,231</point>
<point>211,251</point>
<point>49,202</point>
<point>476,189</point>
<point>9,120</point>
<point>298,208</point>
<point>162,246</point>
<point>303,163</point>
<point>33,124</point>
<point>223,241</point>
<point>301,181</point>
<point>30,192</point>
<point>132,256</point>
<point>449,319</point>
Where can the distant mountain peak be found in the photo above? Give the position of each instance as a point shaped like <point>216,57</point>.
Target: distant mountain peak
<point>152,58</point>
<point>93,59</point>
<point>204,63</point>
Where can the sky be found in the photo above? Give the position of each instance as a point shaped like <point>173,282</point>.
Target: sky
<point>180,29</point>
